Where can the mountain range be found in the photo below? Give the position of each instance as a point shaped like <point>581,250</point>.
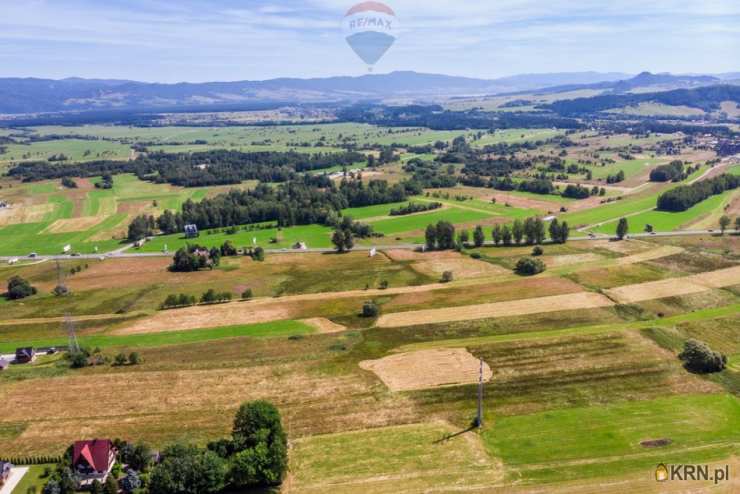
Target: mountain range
<point>31,95</point>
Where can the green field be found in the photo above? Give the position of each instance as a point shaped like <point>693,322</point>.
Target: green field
<point>267,330</point>
<point>609,436</point>
<point>630,168</point>
<point>321,137</point>
<point>516,136</point>
<point>665,221</point>
<point>73,149</point>
<point>103,209</point>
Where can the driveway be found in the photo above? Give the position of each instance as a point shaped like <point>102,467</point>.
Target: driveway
<point>16,474</point>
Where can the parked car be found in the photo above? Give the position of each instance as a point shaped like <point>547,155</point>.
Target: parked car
<point>32,255</point>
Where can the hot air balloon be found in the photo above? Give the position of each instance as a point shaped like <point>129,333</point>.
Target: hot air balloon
<point>370,29</point>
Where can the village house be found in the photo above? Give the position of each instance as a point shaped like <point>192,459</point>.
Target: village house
<point>24,355</point>
<point>93,460</point>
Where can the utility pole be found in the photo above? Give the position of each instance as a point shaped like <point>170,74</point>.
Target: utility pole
<point>73,345</point>
<point>479,419</point>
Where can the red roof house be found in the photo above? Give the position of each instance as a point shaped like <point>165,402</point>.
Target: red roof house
<point>93,460</point>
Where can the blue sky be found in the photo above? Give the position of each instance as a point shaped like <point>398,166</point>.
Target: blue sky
<point>200,40</point>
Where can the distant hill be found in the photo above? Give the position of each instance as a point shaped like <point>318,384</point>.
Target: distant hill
<point>707,98</point>
<point>29,95</point>
<point>643,82</point>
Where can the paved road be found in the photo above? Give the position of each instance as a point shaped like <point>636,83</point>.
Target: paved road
<point>123,254</point>
<point>16,474</point>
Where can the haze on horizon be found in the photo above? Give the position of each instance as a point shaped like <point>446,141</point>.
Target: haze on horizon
<point>200,40</point>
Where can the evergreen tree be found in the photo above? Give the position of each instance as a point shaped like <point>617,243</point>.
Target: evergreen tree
<point>517,231</point>
<point>506,235</point>
<point>479,237</point>
<point>622,228</point>
<point>496,234</point>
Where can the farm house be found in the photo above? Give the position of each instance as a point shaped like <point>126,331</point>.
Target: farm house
<point>93,460</point>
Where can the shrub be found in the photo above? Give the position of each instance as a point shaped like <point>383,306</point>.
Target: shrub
<point>247,294</point>
<point>698,357</point>
<point>60,290</point>
<point>131,482</point>
<point>78,360</point>
<point>370,309</point>
<point>447,277</point>
<point>119,359</point>
<point>134,358</point>
<point>528,266</point>
<point>383,284</point>
<point>19,288</point>
<point>537,251</point>
<point>258,254</point>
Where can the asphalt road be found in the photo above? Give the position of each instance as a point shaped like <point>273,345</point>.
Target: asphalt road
<point>123,253</point>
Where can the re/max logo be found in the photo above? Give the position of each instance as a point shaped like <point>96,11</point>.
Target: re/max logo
<point>692,472</point>
<point>371,22</point>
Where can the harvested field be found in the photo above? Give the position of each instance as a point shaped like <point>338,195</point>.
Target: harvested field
<point>210,316</point>
<point>24,213</point>
<point>502,288</point>
<point>69,225</point>
<point>650,255</point>
<point>569,259</point>
<point>583,300</point>
<point>518,201</point>
<point>324,325</point>
<point>623,247</point>
<point>197,403</point>
<point>436,263</point>
<point>675,286</point>
<point>720,278</point>
<point>410,458</point>
<point>426,369</point>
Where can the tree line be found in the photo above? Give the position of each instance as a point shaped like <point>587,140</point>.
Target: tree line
<point>304,201</point>
<point>217,167</point>
<point>683,197</point>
